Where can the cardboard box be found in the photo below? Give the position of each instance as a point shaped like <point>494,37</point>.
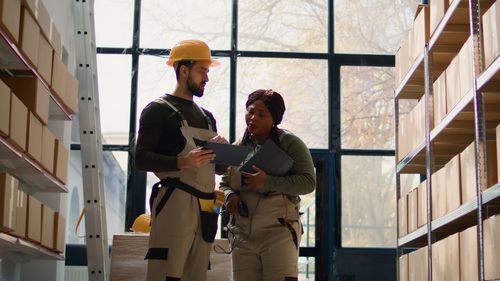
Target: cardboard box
<point>29,37</point>
<point>403,60</point>
<point>418,266</point>
<point>412,210</point>
<point>47,227</point>
<point>30,5</point>
<point>452,252</point>
<point>21,213</point>
<point>468,254</point>
<point>422,204</point>
<point>439,91</point>
<point>437,10</point>
<point>468,172</point>
<point>61,162</point>
<point>403,268</point>
<point>34,143</point>
<point>43,18</point>
<point>11,17</point>
<point>491,33</point>
<point>71,93</point>
<point>8,187</point>
<point>403,216</point>
<point>492,248</point>
<point>452,84</point>
<point>48,149</point>
<point>466,64</point>
<point>59,77</point>
<point>421,33</point>
<point>438,194</point>
<point>439,255</point>
<point>55,38</point>
<point>59,232</point>
<point>34,221</point>
<point>18,123</point>
<point>4,109</point>
<point>453,198</point>
<point>45,59</point>
<point>32,93</point>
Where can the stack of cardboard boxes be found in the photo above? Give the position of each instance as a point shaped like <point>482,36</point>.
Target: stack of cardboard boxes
<point>453,257</point>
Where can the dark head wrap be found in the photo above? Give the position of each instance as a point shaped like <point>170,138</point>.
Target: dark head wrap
<point>273,101</point>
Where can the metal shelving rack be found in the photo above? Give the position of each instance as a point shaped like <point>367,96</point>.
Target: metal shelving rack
<point>471,118</point>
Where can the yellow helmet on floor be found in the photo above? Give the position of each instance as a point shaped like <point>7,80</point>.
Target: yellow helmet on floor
<point>195,50</point>
<point>141,224</point>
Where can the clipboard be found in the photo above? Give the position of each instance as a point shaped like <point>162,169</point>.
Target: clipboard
<point>225,154</point>
<point>269,158</point>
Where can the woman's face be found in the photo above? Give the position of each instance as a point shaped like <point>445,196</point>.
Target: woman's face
<point>259,120</point>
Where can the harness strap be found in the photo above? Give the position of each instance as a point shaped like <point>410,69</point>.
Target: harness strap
<point>174,183</point>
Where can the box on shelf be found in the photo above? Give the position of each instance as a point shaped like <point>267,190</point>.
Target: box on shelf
<point>492,248</point>
<point>421,33</point>
<point>55,39</point>
<point>21,213</point>
<point>48,149</point>
<point>466,64</point>
<point>417,264</point>
<point>10,12</point>
<point>452,257</point>
<point>468,171</point>
<point>43,18</point>
<point>437,10</point>
<point>44,66</point>
<point>61,161</point>
<point>32,93</point>
<point>34,142</point>
<point>59,232</point>
<point>439,256</point>
<point>47,227</point>
<point>403,268</point>
<point>59,77</point>
<point>438,195</point>
<point>30,5</point>
<point>4,109</point>
<point>403,216</point>
<point>412,210</point>
<point>29,37</point>
<point>71,93</point>
<point>8,188</point>
<point>491,33</point>
<point>439,91</point>
<point>18,123</point>
<point>403,59</point>
<point>422,204</point>
<point>468,254</point>
<point>34,221</point>
<point>452,84</point>
<point>452,192</point>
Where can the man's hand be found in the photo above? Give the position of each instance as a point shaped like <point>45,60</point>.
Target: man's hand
<point>219,139</point>
<point>195,158</point>
<point>256,180</point>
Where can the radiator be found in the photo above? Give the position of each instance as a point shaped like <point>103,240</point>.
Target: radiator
<point>76,273</point>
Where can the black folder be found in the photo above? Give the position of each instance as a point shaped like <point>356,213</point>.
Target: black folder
<point>225,154</point>
<point>269,158</point>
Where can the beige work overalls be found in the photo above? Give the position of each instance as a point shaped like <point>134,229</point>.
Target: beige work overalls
<point>266,243</point>
<point>176,247</point>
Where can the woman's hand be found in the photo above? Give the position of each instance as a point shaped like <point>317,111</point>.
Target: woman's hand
<point>256,180</point>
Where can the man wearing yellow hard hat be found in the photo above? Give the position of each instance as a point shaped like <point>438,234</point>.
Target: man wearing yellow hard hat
<point>181,230</point>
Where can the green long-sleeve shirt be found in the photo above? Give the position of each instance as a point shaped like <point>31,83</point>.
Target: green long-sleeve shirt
<point>299,181</point>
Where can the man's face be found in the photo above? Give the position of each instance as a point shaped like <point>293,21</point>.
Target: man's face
<point>197,78</point>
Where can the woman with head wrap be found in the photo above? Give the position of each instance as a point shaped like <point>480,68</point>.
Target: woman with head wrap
<point>264,227</point>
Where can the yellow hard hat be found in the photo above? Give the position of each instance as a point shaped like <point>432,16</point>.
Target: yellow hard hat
<point>141,224</point>
<point>193,49</point>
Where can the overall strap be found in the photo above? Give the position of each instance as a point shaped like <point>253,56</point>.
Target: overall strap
<point>167,103</point>
<point>207,119</point>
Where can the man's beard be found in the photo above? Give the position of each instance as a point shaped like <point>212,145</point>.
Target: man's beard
<point>196,90</point>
